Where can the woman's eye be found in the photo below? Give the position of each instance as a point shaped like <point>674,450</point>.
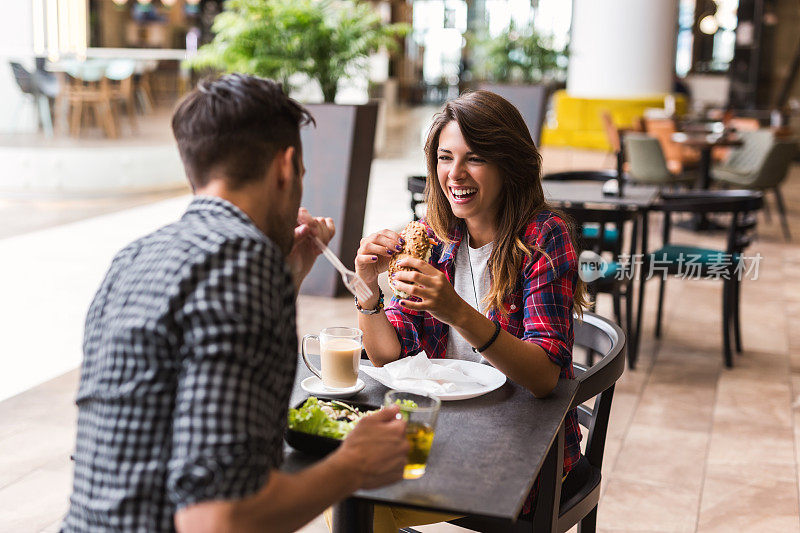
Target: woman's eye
<point>477,160</point>
<point>444,158</point>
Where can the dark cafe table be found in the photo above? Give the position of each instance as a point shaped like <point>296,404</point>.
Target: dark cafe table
<point>486,454</point>
<point>639,198</point>
<point>581,193</point>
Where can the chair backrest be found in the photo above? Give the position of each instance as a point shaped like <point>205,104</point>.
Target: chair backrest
<point>646,159</point>
<point>612,132</point>
<point>742,205</point>
<point>120,69</point>
<point>749,157</point>
<point>601,335</point>
<point>775,166</point>
<point>531,100</point>
<point>47,83</point>
<point>602,219</point>
<point>90,70</point>
<point>662,129</point>
<point>23,77</point>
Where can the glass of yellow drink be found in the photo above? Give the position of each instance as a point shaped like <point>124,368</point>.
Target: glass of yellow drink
<point>420,412</point>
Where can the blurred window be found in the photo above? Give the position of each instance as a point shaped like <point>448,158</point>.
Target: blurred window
<point>706,35</point>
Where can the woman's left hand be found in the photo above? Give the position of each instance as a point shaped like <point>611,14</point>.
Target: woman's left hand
<point>436,295</point>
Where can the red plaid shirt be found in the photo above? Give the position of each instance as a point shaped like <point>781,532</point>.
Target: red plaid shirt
<point>539,309</point>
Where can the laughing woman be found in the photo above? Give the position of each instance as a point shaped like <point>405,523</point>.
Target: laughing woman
<point>502,285</point>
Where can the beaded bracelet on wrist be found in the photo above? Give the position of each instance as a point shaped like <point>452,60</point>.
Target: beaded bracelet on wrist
<point>378,308</point>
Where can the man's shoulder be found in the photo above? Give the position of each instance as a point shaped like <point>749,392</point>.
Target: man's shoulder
<point>194,239</point>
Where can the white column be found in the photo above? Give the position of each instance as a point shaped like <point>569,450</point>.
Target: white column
<point>622,48</point>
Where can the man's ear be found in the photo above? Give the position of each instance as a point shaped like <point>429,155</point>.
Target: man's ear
<point>285,167</point>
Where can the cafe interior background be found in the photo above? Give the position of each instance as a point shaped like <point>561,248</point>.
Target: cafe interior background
<point>89,164</point>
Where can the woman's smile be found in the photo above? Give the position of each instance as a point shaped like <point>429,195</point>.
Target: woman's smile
<point>461,194</point>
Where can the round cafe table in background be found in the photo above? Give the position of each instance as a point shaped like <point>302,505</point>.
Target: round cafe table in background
<point>704,143</point>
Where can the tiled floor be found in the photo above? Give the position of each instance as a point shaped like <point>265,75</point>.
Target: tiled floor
<point>691,446</point>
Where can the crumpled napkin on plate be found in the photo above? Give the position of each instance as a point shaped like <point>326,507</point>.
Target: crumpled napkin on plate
<point>419,374</point>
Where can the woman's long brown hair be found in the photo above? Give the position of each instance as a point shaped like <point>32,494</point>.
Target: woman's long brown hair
<point>494,129</point>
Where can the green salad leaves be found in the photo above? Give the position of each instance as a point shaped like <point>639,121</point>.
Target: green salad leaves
<point>327,419</point>
<point>333,419</point>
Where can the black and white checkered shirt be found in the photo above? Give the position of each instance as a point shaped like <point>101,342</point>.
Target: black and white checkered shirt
<point>189,359</point>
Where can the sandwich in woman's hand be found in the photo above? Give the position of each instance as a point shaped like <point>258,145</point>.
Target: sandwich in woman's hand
<point>418,244</point>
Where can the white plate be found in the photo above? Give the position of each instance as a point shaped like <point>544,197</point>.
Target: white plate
<point>493,379</point>
<point>313,385</point>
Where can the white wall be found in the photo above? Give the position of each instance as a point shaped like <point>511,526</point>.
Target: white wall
<point>708,90</point>
<point>36,169</point>
<point>16,43</point>
<point>622,48</point>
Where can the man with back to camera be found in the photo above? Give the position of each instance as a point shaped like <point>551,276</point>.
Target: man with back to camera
<point>190,343</point>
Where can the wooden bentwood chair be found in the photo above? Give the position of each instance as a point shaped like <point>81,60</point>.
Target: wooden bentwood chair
<point>601,336</point>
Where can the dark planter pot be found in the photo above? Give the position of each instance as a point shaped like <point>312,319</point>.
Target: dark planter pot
<point>531,100</point>
<point>338,156</point>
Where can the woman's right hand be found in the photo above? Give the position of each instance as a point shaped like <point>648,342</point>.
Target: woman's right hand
<point>375,253</point>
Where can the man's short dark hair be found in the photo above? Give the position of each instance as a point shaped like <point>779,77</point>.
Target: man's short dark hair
<point>234,126</point>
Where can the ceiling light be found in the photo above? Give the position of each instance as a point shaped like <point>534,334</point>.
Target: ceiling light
<point>709,25</point>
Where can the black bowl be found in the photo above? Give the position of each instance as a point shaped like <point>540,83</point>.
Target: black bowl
<point>315,444</point>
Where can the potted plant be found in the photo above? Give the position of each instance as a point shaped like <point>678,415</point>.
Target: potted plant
<point>327,40</point>
<point>522,66</point>
<point>314,41</point>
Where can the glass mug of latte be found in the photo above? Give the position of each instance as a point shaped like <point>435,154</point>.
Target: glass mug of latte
<point>340,352</point>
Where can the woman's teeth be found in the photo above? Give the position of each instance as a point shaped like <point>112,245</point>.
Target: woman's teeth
<point>463,192</point>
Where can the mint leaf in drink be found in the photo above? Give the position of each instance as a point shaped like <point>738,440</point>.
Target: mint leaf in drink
<point>406,404</point>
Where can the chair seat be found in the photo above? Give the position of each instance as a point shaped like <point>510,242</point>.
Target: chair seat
<point>672,253</point>
<point>581,497</point>
<point>591,231</point>
<point>732,175</point>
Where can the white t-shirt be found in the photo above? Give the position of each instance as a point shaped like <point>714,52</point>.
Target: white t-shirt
<point>472,283</point>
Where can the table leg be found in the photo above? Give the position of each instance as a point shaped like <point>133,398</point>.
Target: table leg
<point>630,290</point>
<point>545,518</point>
<point>704,181</point>
<point>640,299</point>
<point>701,222</point>
<point>352,515</point>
